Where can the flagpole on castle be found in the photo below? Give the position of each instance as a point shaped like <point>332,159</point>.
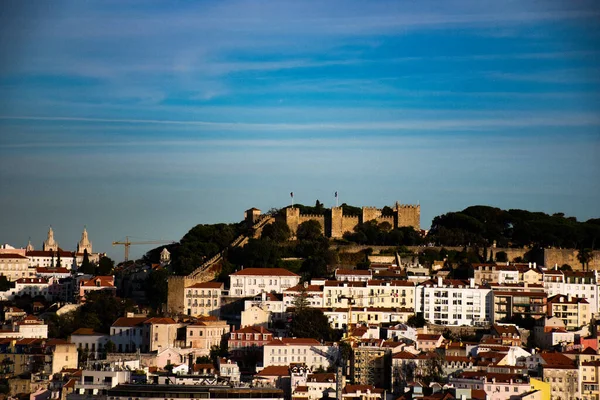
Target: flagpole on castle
<point>336,200</point>
<point>292,196</point>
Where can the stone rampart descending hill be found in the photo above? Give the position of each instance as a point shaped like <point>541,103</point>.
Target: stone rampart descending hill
<point>237,242</point>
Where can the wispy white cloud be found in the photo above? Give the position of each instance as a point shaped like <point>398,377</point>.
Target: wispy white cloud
<point>473,123</point>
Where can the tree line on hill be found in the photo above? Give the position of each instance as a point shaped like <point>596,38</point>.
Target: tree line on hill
<point>484,225</point>
<point>477,227</point>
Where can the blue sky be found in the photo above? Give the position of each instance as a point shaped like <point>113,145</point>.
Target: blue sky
<point>144,118</point>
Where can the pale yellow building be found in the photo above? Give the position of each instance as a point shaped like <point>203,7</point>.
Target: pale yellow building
<point>589,375</point>
<point>203,299</point>
<point>575,312</point>
<point>372,294</point>
<point>205,333</point>
<point>15,266</point>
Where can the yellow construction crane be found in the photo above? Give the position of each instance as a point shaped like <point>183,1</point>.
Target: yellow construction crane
<point>126,243</point>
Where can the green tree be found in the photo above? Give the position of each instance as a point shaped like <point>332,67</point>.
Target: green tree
<point>319,209</point>
<point>4,284</point>
<point>501,256</point>
<point>156,288</point>
<point>301,300</point>
<point>105,266</point>
<point>218,351</point>
<point>110,347</point>
<point>566,267</point>
<point>433,369</point>
<point>416,321</point>
<point>58,260</point>
<point>86,266</point>
<point>278,231</point>
<point>257,253</point>
<point>584,256</point>
<point>311,323</point>
<point>309,230</point>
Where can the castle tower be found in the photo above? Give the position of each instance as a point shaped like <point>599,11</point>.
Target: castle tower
<point>50,244</point>
<point>165,256</point>
<point>337,222</point>
<point>84,243</point>
<point>29,246</point>
<point>292,218</point>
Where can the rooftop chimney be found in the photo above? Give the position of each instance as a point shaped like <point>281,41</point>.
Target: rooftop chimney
<point>440,281</point>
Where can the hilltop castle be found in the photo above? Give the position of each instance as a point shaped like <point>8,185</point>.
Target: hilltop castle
<point>334,223</point>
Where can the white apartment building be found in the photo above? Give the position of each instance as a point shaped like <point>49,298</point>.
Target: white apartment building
<point>284,351</point>
<point>454,302</point>
<point>49,259</point>
<point>252,281</point>
<point>313,295</point>
<point>353,275</point>
<point>29,327</point>
<point>87,340</point>
<point>129,334</point>
<point>32,287</point>
<point>577,284</point>
<point>203,299</point>
<point>372,293</point>
<point>15,266</point>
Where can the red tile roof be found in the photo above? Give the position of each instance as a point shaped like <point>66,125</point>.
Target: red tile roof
<point>206,285</point>
<point>353,272</point>
<point>104,281</point>
<point>86,331</point>
<point>129,321</point>
<point>362,388</point>
<point>252,329</point>
<point>275,370</point>
<point>294,342</point>
<point>12,256</point>
<point>32,281</point>
<point>264,272</point>
<point>160,321</point>
<point>44,270</point>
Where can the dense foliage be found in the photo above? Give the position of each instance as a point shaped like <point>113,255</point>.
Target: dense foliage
<point>99,311</point>
<point>372,233</point>
<point>312,323</point>
<point>156,288</point>
<point>201,243</point>
<point>482,225</point>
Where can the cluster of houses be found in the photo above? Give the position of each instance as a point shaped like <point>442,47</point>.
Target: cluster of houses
<point>408,333</point>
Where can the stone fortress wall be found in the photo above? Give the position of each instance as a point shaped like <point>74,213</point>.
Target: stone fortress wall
<point>334,223</point>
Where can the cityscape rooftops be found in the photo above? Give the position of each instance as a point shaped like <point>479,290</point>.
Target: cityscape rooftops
<point>264,272</point>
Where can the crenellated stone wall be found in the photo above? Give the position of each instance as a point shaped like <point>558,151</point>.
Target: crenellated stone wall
<point>334,223</point>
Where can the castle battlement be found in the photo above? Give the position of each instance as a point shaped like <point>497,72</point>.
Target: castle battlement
<point>408,206</point>
<point>314,216</point>
<point>335,223</point>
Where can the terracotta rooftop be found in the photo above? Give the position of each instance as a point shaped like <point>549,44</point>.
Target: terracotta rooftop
<point>85,332</point>
<point>353,272</point>
<point>361,388</point>
<point>12,256</point>
<point>264,272</point>
<point>99,281</point>
<point>252,329</point>
<point>275,370</point>
<point>293,342</point>
<point>129,321</point>
<point>160,321</point>
<point>44,270</point>
<point>309,288</point>
<point>206,285</point>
